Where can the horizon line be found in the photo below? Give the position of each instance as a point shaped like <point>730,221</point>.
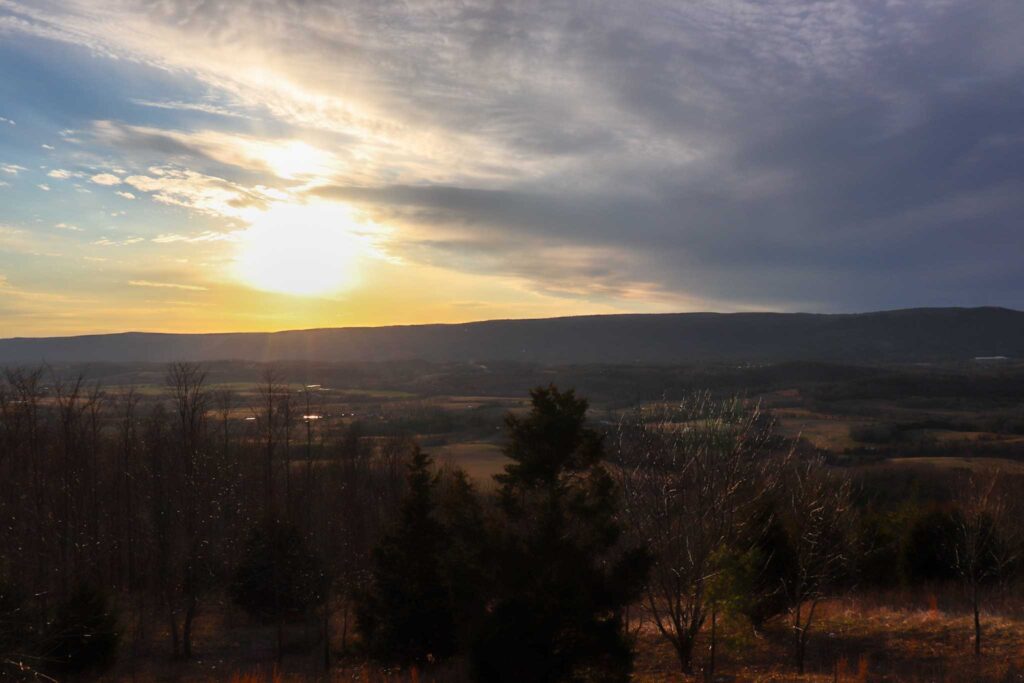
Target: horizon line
<point>503,320</point>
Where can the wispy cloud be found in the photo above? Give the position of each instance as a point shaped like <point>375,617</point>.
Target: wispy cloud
<point>202,107</point>
<point>208,236</point>
<point>166,285</point>
<point>107,242</point>
<point>286,158</point>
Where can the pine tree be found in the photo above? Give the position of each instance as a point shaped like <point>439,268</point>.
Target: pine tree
<point>562,582</point>
<point>406,615</point>
<point>278,576</point>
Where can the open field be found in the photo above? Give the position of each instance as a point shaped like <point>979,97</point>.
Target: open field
<point>480,460</point>
<point>912,420</point>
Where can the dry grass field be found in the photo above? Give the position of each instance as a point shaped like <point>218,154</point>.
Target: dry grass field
<point>481,460</point>
<point>861,639</point>
<point>915,636</point>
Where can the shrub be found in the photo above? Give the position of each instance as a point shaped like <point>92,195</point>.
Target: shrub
<point>15,622</point>
<point>878,433</point>
<point>83,635</point>
<point>877,546</point>
<point>930,546</point>
<point>278,574</point>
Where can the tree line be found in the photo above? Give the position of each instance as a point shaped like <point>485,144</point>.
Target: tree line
<point>126,514</point>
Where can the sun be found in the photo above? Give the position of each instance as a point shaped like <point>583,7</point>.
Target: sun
<point>302,250</point>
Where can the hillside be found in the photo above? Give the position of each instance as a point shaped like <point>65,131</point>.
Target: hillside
<point>909,335</point>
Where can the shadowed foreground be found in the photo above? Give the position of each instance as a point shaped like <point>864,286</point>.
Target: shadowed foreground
<point>912,637</point>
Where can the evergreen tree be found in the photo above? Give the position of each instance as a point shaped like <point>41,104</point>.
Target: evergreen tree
<point>929,552</point>
<point>466,563</point>
<point>406,615</point>
<point>278,576</point>
<point>772,570</point>
<point>561,583</point>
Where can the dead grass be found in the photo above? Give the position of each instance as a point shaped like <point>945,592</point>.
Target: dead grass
<point>859,640</point>
<point>950,462</point>
<point>912,636</point>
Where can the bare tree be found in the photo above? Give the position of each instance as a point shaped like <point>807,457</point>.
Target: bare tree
<point>224,401</point>
<point>70,401</point>
<point>186,382</point>
<point>986,545</point>
<point>692,477</point>
<point>126,491</point>
<point>26,495</point>
<point>286,410</point>
<point>818,511</point>
<point>268,419</point>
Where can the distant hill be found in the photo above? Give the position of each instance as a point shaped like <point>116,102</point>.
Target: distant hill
<point>919,334</point>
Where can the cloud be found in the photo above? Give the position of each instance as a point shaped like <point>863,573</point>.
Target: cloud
<point>68,226</point>
<point>202,107</point>
<point>287,159</point>
<point>202,193</point>
<point>125,195</point>
<point>166,285</point>
<point>44,187</point>
<point>106,242</point>
<point>59,174</point>
<point>208,236</point>
<point>841,156</point>
<point>9,122</point>
<point>11,169</point>
<point>105,179</point>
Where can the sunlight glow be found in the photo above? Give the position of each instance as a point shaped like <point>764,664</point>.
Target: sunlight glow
<point>295,159</point>
<point>303,249</point>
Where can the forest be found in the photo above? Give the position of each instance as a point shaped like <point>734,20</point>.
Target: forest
<point>196,529</point>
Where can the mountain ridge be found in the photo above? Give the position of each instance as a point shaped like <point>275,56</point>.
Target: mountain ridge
<point>898,335</point>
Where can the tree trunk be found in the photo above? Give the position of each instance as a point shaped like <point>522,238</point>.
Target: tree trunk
<point>684,651</point>
<point>172,618</point>
<point>280,639</point>
<point>714,643</point>
<point>327,630</point>
<point>795,625</point>
<point>186,632</point>
<point>801,654</point>
<point>977,624</point>
<point>344,626</point>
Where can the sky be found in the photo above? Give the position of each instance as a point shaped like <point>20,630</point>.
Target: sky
<point>234,165</point>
